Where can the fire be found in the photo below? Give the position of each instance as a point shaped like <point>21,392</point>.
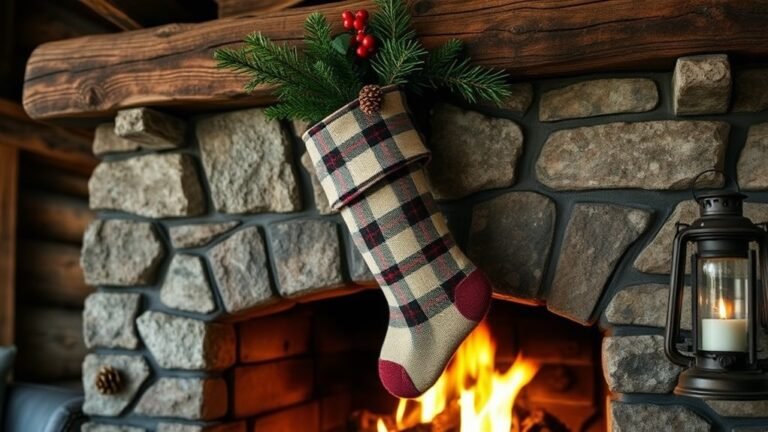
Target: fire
<point>722,308</point>
<point>485,396</point>
<point>381,426</point>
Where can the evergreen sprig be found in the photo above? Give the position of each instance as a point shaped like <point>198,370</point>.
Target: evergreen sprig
<point>324,76</point>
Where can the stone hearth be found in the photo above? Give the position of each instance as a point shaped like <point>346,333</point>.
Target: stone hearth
<point>566,196</point>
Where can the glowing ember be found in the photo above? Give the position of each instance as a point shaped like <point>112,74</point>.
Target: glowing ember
<point>485,396</point>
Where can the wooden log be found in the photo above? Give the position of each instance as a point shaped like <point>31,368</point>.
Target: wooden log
<point>276,336</point>
<point>269,386</point>
<point>112,13</point>
<point>50,342</point>
<point>67,146</point>
<point>53,217</point>
<point>173,65</point>
<point>228,8</point>
<point>40,175</point>
<point>9,175</point>
<point>50,273</point>
<point>7,37</point>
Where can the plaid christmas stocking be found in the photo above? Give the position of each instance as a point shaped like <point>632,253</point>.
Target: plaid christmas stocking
<point>370,167</point>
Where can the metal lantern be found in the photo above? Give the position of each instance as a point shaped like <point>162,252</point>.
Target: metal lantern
<point>721,356</point>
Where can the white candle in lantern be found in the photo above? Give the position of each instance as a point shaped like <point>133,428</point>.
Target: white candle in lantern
<point>724,334</point>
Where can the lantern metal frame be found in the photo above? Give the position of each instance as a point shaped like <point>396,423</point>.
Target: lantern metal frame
<point>720,231</point>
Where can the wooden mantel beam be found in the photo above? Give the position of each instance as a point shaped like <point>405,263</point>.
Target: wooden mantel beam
<point>172,66</point>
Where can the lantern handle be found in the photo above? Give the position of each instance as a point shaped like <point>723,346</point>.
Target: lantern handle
<point>728,179</point>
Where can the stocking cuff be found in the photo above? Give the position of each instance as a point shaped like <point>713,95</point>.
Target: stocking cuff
<point>352,151</point>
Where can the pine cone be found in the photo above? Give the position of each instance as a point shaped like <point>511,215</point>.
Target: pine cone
<point>108,380</point>
<point>370,99</point>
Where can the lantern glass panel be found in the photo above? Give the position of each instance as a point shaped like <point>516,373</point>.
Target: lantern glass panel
<point>722,304</point>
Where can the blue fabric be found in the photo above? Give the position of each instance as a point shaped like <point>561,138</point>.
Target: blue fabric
<point>7,356</point>
<point>33,407</point>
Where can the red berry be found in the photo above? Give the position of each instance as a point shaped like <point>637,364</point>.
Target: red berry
<point>360,37</point>
<point>362,52</point>
<point>352,42</point>
<point>362,14</point>
<point>347,16</point>
<point>359,24</point>
<point>369,42</point>
<point>348,24</point>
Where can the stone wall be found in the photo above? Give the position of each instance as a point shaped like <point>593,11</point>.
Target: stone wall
<point>567,196</point>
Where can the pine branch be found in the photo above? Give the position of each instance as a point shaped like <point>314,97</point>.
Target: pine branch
<point>320,48</point>
<point>392,21</point>
<point>397,60</point>
<point>474,83</point>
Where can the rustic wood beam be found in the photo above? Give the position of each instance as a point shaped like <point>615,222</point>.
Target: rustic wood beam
<point>172,66</point>
<point>228,8</point>
<point>112,13</point>
<point>9,178</point>
<point>69,147</point>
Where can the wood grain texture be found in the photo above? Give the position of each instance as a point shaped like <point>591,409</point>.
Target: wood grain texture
<point>53,217</point>
<point>50,342</point>
<point>112,13</point>
<point>50,273</point>
<point>228,8</point>
<point>173,66</point>
<point>70,147</point>
<point>41,175</point>
<point>9,176</point>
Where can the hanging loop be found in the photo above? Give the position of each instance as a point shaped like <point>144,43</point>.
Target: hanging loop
<point>727,178</point>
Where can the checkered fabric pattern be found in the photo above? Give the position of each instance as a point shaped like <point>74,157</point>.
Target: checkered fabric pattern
<point>405,241</point>
<point>371,168</point>
<point>351,150</point>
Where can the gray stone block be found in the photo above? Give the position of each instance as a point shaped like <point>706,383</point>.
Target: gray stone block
<point>186,286</point>
<point>657,255</point>
<point>185,343</point>
<point>742,408</point>
<point>752,172</point>
<point>701,84</point>
<point>178,427</point>
<point>599,97</point>
<point>106,141</point>
<point>519,100</point>
<point>510,239</point>
<point>108,320</point>
<point>637,364</point>
<point>471,152</point>
<point>133,371</point>
<point>153,129</point>
<point>663,154</point>
<point>155,185</point>
<point>185,398</point>
<point>646,305</point>
<point>641,417</point>
<point>101,427</point>
<point>247,159</point>
<point>307,256</point>
<point>358,269</point>
<point>239,266</point>
<point>596,237</point>
<point>751,91</point>
<point>189,236</point>
<point>120,252</point>
<point>321,200</point>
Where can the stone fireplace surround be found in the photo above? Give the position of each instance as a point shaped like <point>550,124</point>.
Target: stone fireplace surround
<point>567,197</point>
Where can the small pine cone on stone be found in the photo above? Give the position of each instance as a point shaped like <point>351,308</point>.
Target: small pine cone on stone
<point>108,380</point>
<point>370,99</point>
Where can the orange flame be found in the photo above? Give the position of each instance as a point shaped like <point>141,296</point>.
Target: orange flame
<point>485,396</point>
<point>381,426</point>
<point>722,308</point>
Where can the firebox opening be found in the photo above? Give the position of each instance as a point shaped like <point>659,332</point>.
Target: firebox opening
<point>552,362</point>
